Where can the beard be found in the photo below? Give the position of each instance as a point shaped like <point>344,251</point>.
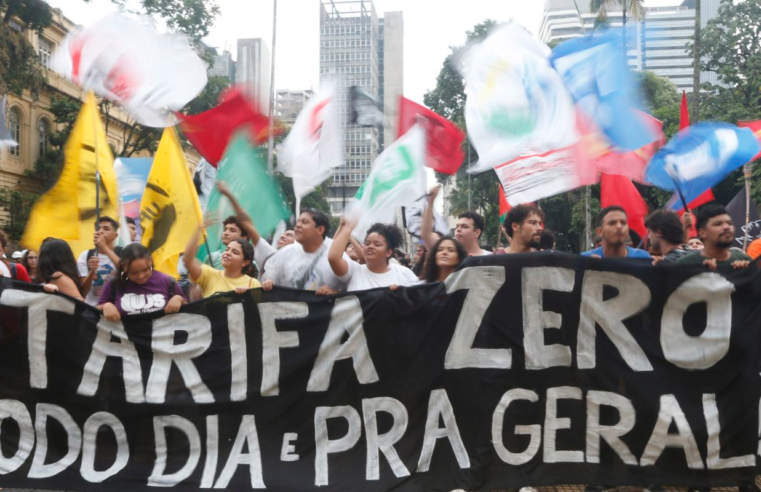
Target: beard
<point>534,242</point>
<point>720,243</point>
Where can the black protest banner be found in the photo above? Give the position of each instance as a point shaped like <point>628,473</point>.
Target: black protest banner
<point>521,370</point>
<point>737,209</point>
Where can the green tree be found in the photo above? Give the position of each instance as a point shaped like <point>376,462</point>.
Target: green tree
<point>209,98</point>
<point>662,101</point>
<point>730,46</point>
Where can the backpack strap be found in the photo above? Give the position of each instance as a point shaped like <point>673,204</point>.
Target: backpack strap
<point>14,270</point>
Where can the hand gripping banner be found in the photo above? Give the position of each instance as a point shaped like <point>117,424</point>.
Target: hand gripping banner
<point>520,370</point>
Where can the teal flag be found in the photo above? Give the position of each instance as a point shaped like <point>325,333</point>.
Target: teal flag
<point>244,170</point>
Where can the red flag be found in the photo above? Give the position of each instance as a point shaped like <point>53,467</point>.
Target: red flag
<point>684,113</point>
<point>210,131</point>
<point>618,190</point>
<point>756,127</point>
<point>444,139</point>
<point>504,207</point>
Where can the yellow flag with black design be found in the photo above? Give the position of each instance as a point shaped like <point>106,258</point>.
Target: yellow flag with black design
<point>169,211</point>
<point>68,210</point>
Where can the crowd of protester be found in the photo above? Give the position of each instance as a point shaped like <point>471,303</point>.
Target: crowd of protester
<point>122,281</point>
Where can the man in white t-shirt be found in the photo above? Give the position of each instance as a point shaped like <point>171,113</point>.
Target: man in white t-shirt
<point>99,264</point>
<point>303,264</point>
<point>468,231</point>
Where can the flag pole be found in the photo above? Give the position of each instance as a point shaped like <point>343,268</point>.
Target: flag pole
<point>271,138</point>
<point>748,173</point>
<point>97,174</point>
<point>208,249</point>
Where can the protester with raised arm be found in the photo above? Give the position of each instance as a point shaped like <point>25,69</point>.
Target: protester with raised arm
<point>379,246</point>
<point>237,261</point>
<point>666,234</point>
<point>232,226</point>
<point>304,264</point>
<point>427,233</point>
<point>613,229</point>
<point>717,232</point>
<point>523,225</point>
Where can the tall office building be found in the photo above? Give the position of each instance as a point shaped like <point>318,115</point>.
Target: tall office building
<point>252,71</point>
<point>223,65</point>
<point>359,48</point>
<point>657,43</point>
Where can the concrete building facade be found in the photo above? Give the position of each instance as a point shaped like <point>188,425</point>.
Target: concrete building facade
<point>252,71</point>
<point>657,43</point>
<point>223,66</point>
<point>288,104</point>
<point>353,42</point>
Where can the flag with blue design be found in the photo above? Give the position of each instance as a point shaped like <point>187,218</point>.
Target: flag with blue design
<point>700,157</point>
<point>516,103</point>
<point>596,74</point>
<point>397,179</point>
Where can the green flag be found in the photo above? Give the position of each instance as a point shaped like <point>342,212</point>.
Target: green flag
<point>245,172</point>
<point>397,179</point>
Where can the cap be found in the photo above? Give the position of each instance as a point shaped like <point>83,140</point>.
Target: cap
<point>17,255</point>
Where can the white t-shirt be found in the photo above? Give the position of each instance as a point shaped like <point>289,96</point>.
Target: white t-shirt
<point>293,267</point>
<point>359,277</point>
<point>105,271</point>
<point>484,253</point>
<point>4,271</point>
<point>262,252</point>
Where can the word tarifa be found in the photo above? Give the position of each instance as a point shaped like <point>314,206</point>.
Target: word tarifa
<point>345,339</point>
<point>346,322</point>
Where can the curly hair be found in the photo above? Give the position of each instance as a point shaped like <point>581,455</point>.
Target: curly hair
<point>519,214</point>
<point>431,268</point>
<point>391,233</point>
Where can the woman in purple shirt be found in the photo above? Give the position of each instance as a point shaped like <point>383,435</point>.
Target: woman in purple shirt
<point>138,288</point>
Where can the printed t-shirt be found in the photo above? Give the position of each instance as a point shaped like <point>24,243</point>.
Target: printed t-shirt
<point>105,272</point>
<point>212,281</point>
<point>136,298</point>
<point>359,277</point>
<point>293,267</point>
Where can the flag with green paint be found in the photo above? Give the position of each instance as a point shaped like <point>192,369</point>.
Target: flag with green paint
<point>244,171</point>
<point>397,179</point>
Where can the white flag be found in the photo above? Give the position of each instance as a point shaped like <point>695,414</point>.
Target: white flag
<point>516,102</point>
<point>397,179</point>
<point>128,62</point>
<point>314,146</point>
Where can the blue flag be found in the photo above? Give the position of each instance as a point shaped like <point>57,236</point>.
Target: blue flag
<point>700,157</point>
<point>595,72</point>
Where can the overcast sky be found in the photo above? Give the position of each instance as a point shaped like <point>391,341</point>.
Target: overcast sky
<point>431,26</point>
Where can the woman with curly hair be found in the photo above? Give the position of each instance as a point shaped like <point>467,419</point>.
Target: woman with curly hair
<point>379,246</point>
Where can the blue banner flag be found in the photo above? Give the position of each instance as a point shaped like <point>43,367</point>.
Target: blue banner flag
<point>595,73</point>
<point>700,157</point>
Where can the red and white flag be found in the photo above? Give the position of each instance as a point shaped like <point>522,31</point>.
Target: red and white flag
<point>314,146</point>
<point>128,62</point>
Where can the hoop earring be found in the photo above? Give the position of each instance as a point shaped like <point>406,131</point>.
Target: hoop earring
<point>124,279</point>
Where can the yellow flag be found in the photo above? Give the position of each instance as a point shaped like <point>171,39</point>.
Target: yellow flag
<point>68,210</point>
<point>170,211</point>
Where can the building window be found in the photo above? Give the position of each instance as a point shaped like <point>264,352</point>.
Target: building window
<point>46,49</point>
<point>43,132</point>
<point>14,126</point>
